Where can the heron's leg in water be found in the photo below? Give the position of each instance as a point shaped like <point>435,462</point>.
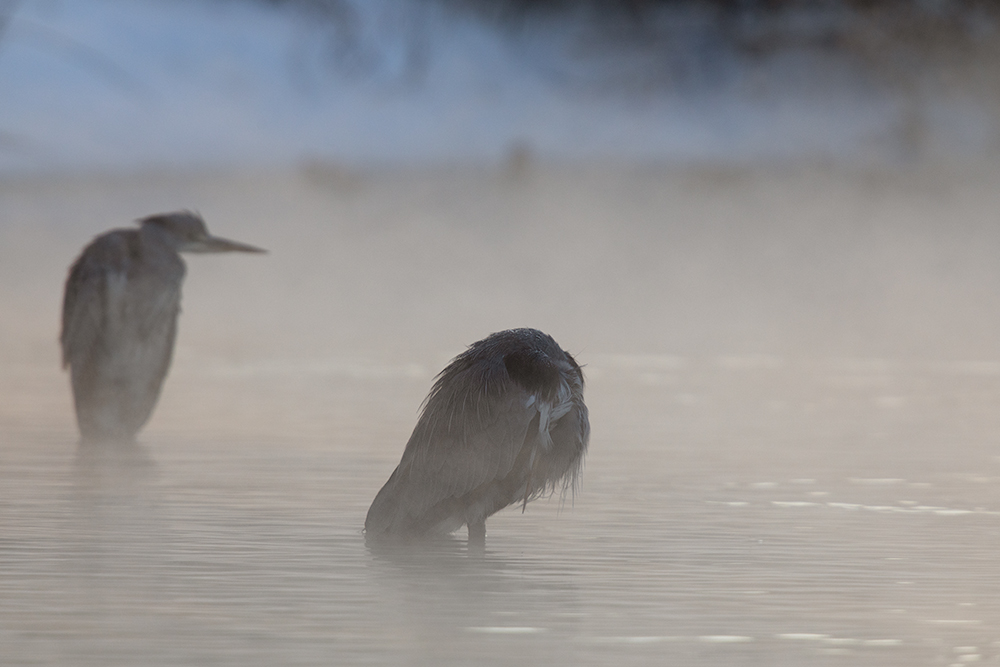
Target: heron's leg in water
<point>477,534</point>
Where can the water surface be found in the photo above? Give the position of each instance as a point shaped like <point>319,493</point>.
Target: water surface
<point>793,385</point>
<point>834,515</point>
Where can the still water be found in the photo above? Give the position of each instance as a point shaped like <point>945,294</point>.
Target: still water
<point>750,510</point>
<point>793,383</point>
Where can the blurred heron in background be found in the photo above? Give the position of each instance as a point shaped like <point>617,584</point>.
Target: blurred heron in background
<point>504,423</point>
<point>119,319</point>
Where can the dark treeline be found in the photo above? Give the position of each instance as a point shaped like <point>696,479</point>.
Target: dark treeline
<point>651,45</point>
<point>748,25</point>
<point>958,13</point>
<point>938,11</point>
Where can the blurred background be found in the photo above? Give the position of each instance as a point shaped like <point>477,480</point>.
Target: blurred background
<point>118,85</point>
<point>746,175</point>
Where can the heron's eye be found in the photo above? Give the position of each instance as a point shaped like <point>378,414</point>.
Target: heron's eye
<point>533,370</point>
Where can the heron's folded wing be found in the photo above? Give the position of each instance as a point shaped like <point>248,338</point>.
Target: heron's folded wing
<point>449,458</point>
<point>85,299</point>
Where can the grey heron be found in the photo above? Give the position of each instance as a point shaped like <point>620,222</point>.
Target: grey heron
<point>119,319</point>
<point>504,423</point>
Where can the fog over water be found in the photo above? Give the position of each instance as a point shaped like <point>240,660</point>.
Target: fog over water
<point>113,84</point>
<point>792,363</point>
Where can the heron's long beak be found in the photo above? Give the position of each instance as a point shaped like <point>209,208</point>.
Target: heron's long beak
<point>219,244</point>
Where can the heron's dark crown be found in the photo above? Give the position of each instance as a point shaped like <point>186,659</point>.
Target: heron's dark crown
<point>185,226</point>
<point>530,358</point>
<point>523,341</point>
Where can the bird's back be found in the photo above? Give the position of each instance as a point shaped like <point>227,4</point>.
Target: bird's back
<point>119,323</point>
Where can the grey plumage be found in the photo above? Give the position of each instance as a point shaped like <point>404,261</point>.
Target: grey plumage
<point>119,319</point>
<point>504,423</point>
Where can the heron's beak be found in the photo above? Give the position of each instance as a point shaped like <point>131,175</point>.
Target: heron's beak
<point>219,244</point>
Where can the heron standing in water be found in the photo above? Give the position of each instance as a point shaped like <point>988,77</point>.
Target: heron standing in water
<point>119,319</point>
<point>504,423</point>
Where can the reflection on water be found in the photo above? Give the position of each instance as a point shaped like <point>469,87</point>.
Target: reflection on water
<point>730,528</point>
<point>103,465</point>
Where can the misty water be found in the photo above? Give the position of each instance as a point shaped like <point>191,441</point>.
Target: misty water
<point>793,383</point>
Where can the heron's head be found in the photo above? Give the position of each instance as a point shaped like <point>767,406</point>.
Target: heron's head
<point>187,232</point>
